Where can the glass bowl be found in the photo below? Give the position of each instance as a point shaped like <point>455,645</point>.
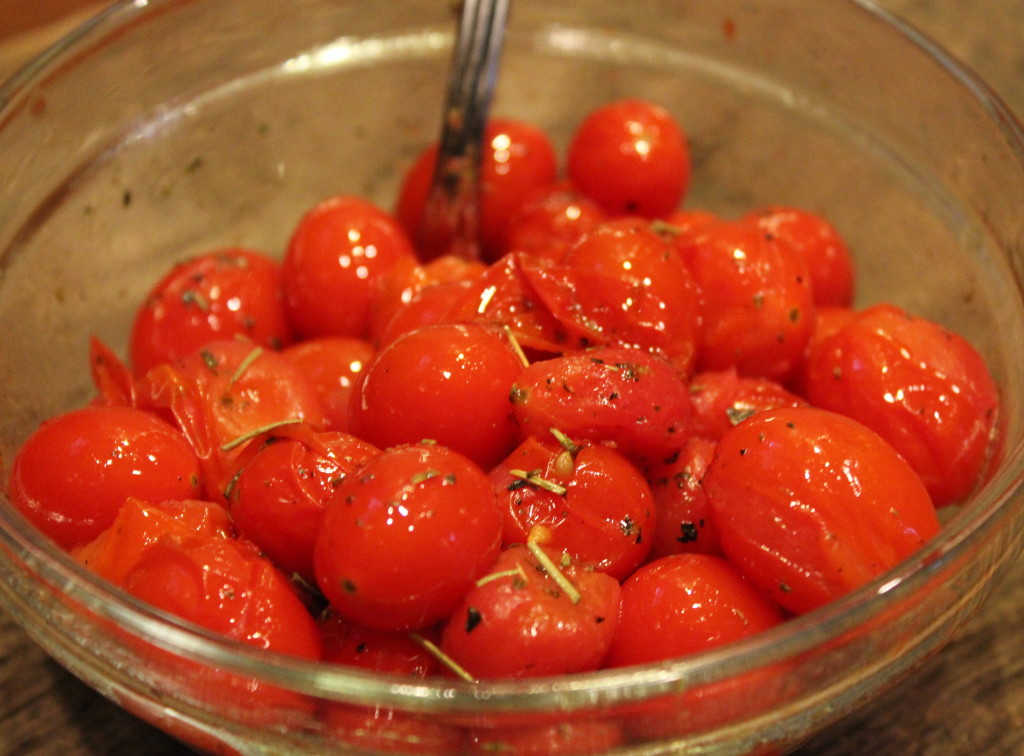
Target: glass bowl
<point>163,128</point>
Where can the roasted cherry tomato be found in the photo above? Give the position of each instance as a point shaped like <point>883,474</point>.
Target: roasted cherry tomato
<point>548,224</point>
<point>217,295</point>
<point>333,365</point>
<point>810,505</point>
<point>383,651</point>
<point>723,398</point>
<point>683,523</point>
<point>632,158</point>
<point>923,388</point>
<point>336,259</point>
<point>591,502</point>
<point>74,473</point>
<point>683,604</point>
<point>446,383</point>
<point>405,536</point>
<point>533,616</point>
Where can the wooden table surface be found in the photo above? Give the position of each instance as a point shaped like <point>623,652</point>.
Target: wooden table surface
<point>967,701</point>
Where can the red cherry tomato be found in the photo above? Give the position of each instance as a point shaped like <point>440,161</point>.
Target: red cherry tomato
<point>382,651</point>
<point>723,398</point>
<point>217,295</point>
<point>757,311</point>
<point>591,502</point>
<point>810,505</point>
<point>113,381</point>
<point>625,396</point>
<point>224,395</point>
<point>446,383</point>
<point>405,536</point>
<point>683,523</point>
<point>632,158</point>
<point>519,622</point>
<point>333,365</point>
<point>829,261</point>
<point>518,161</point>
<point>683,604</point>
<point>429,305</point>
<point>336,259</point>
<point>924,389</point>
<point>74,473</point>
<point>547,225</point>
<point>278,496</point>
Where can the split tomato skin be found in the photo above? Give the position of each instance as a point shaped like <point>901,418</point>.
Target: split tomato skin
<point>632,158</point>
<point>591,502</point>
<point>334,264</point>
<point>628,397</point>
<point>518,622</point>
<point>74,473</point>
<point>724,398</point>
<point>684,604</point>
<point>810,505</point>
<point>448,383</point>
<point>217,295</point>
<point>923,388</point>
<point>683,522</point>
<point>404,537</point>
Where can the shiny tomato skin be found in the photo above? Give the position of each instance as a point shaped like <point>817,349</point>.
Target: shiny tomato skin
<point>723,398</point>
<point>683,604</point>
<point>430,305</point>
<point>279,494</point>
<point>447,383</point>
<point>404,537</point>
<point>517,161</point>
<point>757,310</point>
<point>605,518</point>
<point>217,295</point>
<point>923,388</point>
<point>810,505</point>
<point>74,473</point>
<point>829,261</point>
<point>683,523</point>
<point>624,396</point>
<point>333,365</point>
<point>517,622</point>
<point>548,224</point>
<point>382,651</point>
<point>140,524</point>
<point>632,158</point>
<point>334,264</point>
<point>225,586</point>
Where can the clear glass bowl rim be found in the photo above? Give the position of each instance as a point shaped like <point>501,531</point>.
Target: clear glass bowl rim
<point>998,503</point>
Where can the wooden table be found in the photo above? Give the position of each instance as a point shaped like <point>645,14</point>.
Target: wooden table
<point>967,701</point>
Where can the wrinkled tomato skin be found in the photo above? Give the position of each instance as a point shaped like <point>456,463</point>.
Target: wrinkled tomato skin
<point>810,505</point>
<point>218,295</point>
<point>604,520</point>
<point>924,389</point>
<point>683,523</point>
<point>447,383</point>
<point>334,264</point>
<point>333,365</point>
<point>684,604</point>
<point>519,623</point>
<point>632,158</point>
<point>757,308</point>
<point>723,398</point>
<point>382,651</point>
<point>278,497</point>
<point>404,537</point>
<point>74,473</point>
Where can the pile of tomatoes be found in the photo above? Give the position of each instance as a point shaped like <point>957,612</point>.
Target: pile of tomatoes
<point>625,432</point>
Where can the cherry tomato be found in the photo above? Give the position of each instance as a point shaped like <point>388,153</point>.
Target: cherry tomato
<point>548,224</point>
<point>429,305</point>
<point>757,310</point>
<point>227,587</point>
<point>518,160</point>
<point>278,496</point>
<point>625,396</point>
<point>405,536</point>
<point>683,523</point>
<point>224,395</point>
<point>336,259</point>
<point>333,365</point>
<point>683,604</point>
<point>591,502</point>
<point>382,651</point>
<point>828,258</point>
<point>632,158</point>
<point>723,398</point>
<point>74,473</point>
<point>810,505</point>
<point>447,383</point>
<point>114,382</point>
<point>924,389</point>
<point>519,621</point>
<point>140,524</point>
